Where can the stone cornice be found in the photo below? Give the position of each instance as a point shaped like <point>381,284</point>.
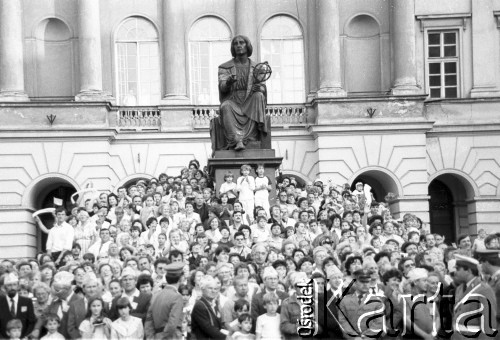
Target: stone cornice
<point>373,126</point>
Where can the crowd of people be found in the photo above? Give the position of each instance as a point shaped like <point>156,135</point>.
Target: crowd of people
<point>173,258</point>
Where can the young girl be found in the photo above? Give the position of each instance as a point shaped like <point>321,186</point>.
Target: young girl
<point>228,187</point>
<point>268,325</point>
<point>52,323</point>
<point>245,185</point>
<point>227,208</point>
<point>175,242</point>
<point>262,188</point>
<point>95,325</point>
<point>245,321</point>
<point>127,326</point>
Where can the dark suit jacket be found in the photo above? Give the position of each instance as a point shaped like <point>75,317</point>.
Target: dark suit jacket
<point>483,297</point>
<point>328,314</point>
<point>143,301</point>
<point>24,312</point>
<point>76,314</point>
<point>53,309</point>
<point>204,323</point>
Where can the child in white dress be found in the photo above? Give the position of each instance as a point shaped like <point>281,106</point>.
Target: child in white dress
<point>262,188</point>
<point>245,185</point>
<point>228,187</point>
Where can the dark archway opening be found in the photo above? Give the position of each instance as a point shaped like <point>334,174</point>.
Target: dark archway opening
<point>451,200</point>
<point>441,210</point>
<point>44,195</point>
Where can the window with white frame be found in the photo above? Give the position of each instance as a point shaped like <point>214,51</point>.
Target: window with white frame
<point>282,45</point>
<point>137,63</point>
<point>443,64</point>
<point>209,46</point>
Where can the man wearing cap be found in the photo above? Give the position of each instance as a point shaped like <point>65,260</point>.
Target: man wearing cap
<point>13,306</point>
<point>139,301</point>
<point>474,300</point>
<point>164,316</point>
<point>490,265</point>
<point>356,308</point>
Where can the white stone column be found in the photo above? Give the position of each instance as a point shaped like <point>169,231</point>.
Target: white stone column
<point>312,51</point>
<point>89,41</point>
<point>11,52</point>
<point>403,45</point>
<point>484,57</point>
<point>174,53</point>
<point>246,25</point>
<point>330,77</point>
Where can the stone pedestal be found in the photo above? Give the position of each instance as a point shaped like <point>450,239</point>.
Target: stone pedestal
<point>230,160</point>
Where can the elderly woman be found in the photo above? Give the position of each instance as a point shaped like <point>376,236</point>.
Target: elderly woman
<point>224,273</point>
<point>41,291</point>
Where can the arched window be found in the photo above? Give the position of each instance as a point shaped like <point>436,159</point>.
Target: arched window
<point>54,59</point>
<point>282,46</point>
<point>209,46</point>
<point>137,63</point>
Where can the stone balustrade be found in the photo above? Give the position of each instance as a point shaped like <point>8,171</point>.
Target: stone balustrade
<point>138,118</point>
<point>281,115</point>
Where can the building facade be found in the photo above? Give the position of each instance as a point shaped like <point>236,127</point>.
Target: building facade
<point>400,94</point>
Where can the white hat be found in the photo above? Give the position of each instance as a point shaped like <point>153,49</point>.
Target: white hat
<point>10,278</point>
<point>63,278</point>
<point>89,278</point>
<point>335,271</point>
<point>417,273</point>
<point>298,277</point>
<point>468,259</point>
<point>127,271</point>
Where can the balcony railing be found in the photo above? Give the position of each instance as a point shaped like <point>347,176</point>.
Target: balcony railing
<point>281,115</point>
<point>139,118</point>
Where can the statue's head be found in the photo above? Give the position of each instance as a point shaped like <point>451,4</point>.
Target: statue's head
<point>247,41</point>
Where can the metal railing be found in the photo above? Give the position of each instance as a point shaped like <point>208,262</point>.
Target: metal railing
<point>281,115</point>
<point>139,118</point>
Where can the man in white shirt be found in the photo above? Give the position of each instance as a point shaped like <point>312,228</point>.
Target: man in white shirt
<point>101,246</point>
<point>61,237</point>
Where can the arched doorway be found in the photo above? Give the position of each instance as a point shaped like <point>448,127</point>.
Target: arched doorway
<point>45,194</point>
<point>451,200</point>
<point>441,210</point>
<point>380,182</point>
